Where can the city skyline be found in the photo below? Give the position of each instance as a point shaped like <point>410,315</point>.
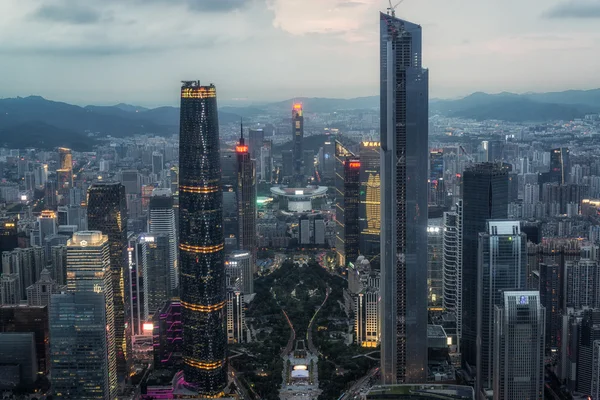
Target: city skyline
<point>85,45</point>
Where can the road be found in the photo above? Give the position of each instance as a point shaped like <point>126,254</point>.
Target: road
<point>238,384</point>
<point>358,385</point>
<point>290,345</point>
<point>311,346</point>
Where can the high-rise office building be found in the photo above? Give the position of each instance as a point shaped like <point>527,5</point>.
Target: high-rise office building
<point>519,346</point>
<point>64,174</point>
<point>560,165</point>
<point>266,162</point>
<point>298,138</point>
<point>246,198</point>
<point>437,194</point>
<point>131,180</point>
<point>485,196</point>
<point>162,220</point>
<point>78,347</point>
<point>256,139</point>
<point>328,161</point>
<point>22,319</point>
<point>502,266</point>
<point>201,245</point>
<point>152,260</point>
<point>370,199</point>
<point>158,162</point>
<point>236,324</point>
<point>17,352</point>
<point>347,204</point>
<point>58,262</point>
<point>287,165</point>
<point>82,322</point>
<point>48,225</point>
<point>137,291</point>
<point>551,297</point>
<point>435,262</point>
<point>107,213</point>
<point>240,271</point>
<point>8,235</point>
<point>404,149</point>
<point>167,336</point>
<point>308,158</point>
<point>452,259</point>
<point>367,311</point>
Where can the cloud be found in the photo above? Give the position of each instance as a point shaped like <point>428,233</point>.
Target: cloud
<point>216,5</point>
<point>584,9</point>
<point>71,13</point>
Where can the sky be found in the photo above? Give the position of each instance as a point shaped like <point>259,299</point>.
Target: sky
<point>138,51</point>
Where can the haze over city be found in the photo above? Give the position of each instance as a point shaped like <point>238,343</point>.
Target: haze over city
<point>105,52</point>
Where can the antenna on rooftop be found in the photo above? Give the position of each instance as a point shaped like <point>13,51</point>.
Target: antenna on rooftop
<point>392,9</point>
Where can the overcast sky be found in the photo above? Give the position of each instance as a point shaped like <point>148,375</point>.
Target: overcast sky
<point>137,51</point>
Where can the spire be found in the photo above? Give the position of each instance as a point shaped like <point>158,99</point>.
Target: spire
<point>241,131</point>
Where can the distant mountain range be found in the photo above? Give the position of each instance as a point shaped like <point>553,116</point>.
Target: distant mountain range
<point>534,107</point>
<point>37,122</point>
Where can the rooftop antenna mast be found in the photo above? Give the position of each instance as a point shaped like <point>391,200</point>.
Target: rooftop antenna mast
<point>392,9</point>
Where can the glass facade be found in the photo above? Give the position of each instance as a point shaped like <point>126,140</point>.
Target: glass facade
<point>347,204</point>
<point>370,200</point>
<point>91,311</point>
<point>107,213</point>
<point>519,346</point>
<point>503,266</point>
<point>404,173</point>
<point>246,198</point>
<point>298,137</point>
<point>78,347</point>
<point>485,196</point>
<point>201,258</point>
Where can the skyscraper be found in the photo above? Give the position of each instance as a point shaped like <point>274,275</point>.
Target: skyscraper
<point>162,220</point>
<point>502,266</point>
<point>485,196</point>
<point>201,259</point>
<point>452,259</point>
<point>519,347</point>
<point>64,174</point>
<point>560,166</point>
<point>246,197</point>
<point>347,202</point>
<point>107,213</point>
<point>82,328</point>
<point>297,138</point>
<point>404,135</point>
<point>370,199</point>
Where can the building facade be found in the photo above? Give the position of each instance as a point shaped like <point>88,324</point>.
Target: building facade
<point>502,266</point>
<point>485,196</point>
<point>246,197</point>
<point>201,246</point>
<point>370,199</point>
<point>404,150</point>
<point>519,346</point>
<point>107,213</point>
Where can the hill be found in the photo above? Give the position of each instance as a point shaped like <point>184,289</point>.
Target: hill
<point>521,107</point>
<point>55,123</point>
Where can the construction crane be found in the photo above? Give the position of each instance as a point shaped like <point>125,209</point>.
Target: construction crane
<point>392,9</point>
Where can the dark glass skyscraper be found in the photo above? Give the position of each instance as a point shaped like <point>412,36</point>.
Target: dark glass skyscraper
<point>298,137</point>
<point>201,261</point>
<point>347,202</point>
<point>560,167</point>
<point>107,213</point>
<point>485,196</point>
<point>246,197</point>
<point>370,200</point>
<point>404,158</point>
